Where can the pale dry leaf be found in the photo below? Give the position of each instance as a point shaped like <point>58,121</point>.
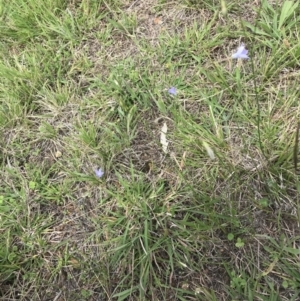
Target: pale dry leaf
<point>182,160</point>
<point>286,43</point>
<point>163,138</point>
<point>209,150</point>
<point>58,154</point>
<point>157,21</point>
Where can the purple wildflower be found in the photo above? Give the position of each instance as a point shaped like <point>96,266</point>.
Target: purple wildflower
<point>99,172</point>
<point>172,91</point>
<point>242,53</point>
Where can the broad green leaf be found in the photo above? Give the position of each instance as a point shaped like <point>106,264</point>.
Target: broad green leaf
<point>285,284</point>
<point>257,30</point>
<point>124,294</point>
<point>288,8</point>
<point>266,5</point>
<point>239,243</point>
<point>230,236</point>
<point>292,250</point>
<point>275,21</point>
<point>31,185</point>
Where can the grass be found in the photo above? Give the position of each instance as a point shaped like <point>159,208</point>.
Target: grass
<point>84,85</point>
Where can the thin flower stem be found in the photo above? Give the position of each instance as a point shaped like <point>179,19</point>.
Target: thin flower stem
<point>255,86</point>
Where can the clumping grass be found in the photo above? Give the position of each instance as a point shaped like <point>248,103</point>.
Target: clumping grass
<point>84,85</point>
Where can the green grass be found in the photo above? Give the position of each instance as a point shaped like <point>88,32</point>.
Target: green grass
<point>84,85</point>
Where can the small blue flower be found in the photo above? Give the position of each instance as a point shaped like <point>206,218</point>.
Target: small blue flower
<point>172,91</point>
<point>99,172</point>
<point>242,53</point>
